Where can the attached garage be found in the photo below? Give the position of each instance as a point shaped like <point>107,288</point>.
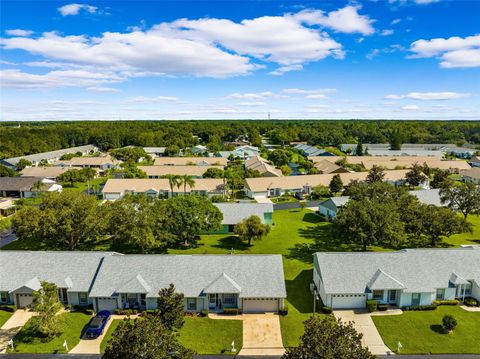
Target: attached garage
<point>109,304</point>
<point>260,305</point>
<point>24,300</point>
<point>348,301</point>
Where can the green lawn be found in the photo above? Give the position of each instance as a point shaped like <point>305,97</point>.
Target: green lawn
<point>4,315</point>
<point>420,332</point>
<point>72,327</point>
<point>83,186</point>
<point>467,238</point>
<point>203,335</point>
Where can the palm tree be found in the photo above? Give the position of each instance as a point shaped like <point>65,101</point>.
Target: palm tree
<point>173,180</point>
<point>186,180</point>
<point>90,174</point>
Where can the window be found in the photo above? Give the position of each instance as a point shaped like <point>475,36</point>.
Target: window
<point>192,303</point>
<point>440,293</point>
<point>131,299</point>
<point>228,298</point>
<point>468,289</point>
<point>82,298</point>
<point>3,297</point>
<point>143,300</point>
<point>378,294</point>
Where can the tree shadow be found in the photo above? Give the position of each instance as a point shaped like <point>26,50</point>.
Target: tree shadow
<point>311,217</point>
<point>231,242</point>
<point>437,328</point>
<point>298,291</point>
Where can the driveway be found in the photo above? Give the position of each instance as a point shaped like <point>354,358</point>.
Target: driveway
<point>7,237</point>
<point>294,205</point>
<point>261,335</point>
<point>12,326</point>
<point>363,323</point>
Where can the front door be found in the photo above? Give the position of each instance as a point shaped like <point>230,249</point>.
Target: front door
<point>415,299</point>
<point>212,301</point>
<point>392,296</point>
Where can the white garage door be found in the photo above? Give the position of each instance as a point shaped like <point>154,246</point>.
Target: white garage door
<point>260,305</point>
<point>24,300</point>
<point>107,304</point>
<point>347,301</point>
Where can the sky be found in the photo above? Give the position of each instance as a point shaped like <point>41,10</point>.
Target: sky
<point>153,60</point>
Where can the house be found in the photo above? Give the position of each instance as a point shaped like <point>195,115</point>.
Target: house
<point>160,171</point>
<point>308,150</point>
<point>50,172</point>
<point>326,167</point>
<point>264,187</point>
<point>26,187</point>
<point>460,152</point>
<point>190,161</point>
<point>407,152</point>
<point>475,161</point>
<point>72,272</point>
<point>404,278</point>
<point>257,163</point>
<point>330,207</point>
<point>234,213</point>
<point>100,163</point>
<point>116,188</point>
<point>199,149</point>
<point>251,283</point>
<point>243,152</point>
<point>155,151</point>
<point>49,157</point>
<point>7,207</point>
<point>471,176</point>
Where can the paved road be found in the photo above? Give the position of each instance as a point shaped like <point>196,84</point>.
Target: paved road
<point>293,205</point>
<point>6,239</point>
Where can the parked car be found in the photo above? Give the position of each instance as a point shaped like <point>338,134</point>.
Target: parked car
<point>97,324</point>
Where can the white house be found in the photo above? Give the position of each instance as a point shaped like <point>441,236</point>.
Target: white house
<point>26,187</point>
<point>408,277</point>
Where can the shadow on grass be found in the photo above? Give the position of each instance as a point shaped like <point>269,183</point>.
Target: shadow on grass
<point>298,291</point>
<point>437,328</point>
<point>311,218</point>
<point>231,242</point>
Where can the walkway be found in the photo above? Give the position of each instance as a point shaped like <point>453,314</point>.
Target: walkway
<point>261,335</point>
<point>470,309</point>
<point>12,326</point>
<point>363,323</point>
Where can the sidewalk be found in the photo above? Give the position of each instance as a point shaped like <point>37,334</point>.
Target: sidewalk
<point>12,326</point>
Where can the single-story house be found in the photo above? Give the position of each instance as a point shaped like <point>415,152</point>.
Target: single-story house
<point>116,188</point>
<point>50,172</point>
<point>49,157</point>
<point>199,149</point>
<point>264,187</point>
<point>7,207</point>
<point>461,152</point>
<point>72,272</point>
<point>261,165</point>
<point>243,152</point>
<point>308,150</point>
<point>25,187</point>
<point>234,213</point>
<point>155,151</point>
<point>471,176</point>
<point>475,161</point>
<point>251,283</point>
<point>101,163</point>
<point>160,171</point>
<point>326,167</point>
<point>408,277</point>
<point>190,161</point>
<point>352,147</point>
<point>330,207</point>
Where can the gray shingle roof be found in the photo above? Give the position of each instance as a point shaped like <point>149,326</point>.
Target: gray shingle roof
<point>418,270</point>
<point>37,157</point>
<point>18,183</point>
<point>72,270</point>
<point>234,213</point>
<point>256,275</point>
<point>428,196</point>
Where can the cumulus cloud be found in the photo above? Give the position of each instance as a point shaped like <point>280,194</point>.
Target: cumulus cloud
<point>454,52</point>
<point>251,95</point>
<point>429,96</point>
<point>103,89</point>
<point>387,32</point>
<point>316,96</point>
<point>252,104</point>
<point>418,2</point>
<point>396,21</point>
<point>284,69</point>
<point>19,32</point>
<point>410,108</point>
<point>74,9</point>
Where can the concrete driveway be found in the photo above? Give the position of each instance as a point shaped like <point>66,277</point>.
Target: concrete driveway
<point>12,326</point>
<point>363,323</point>
<point>261,335</point>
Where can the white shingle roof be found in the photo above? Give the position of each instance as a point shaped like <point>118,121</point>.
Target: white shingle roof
<point>234,213</point>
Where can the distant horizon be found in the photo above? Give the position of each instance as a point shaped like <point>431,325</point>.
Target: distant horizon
<point>239,60</point>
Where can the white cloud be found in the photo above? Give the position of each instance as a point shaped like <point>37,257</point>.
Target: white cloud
<point>418,2</point>
<point>429,96</point>
<point>307,92</point>
<point>426,2</point>
<point>252,104</point>
<point>19,32</point>
<point>152,99</point>
<point>74,9</point>
<point>387,32</point>
<point>452,52</point>
<point>396,21</point>
<point>251,96</point>
<point>372,54</point>
<point>317,96</point>
<point>284,69</point>
<point>346,20</point>
<point>410,108</point>
<point>103,89</point>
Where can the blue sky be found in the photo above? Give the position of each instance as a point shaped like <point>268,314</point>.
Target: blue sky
<point>125,60</point>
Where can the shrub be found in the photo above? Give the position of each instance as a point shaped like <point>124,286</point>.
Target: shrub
<point>449,322</point>
<point>446,302</point>
<point>230,311</point>
<point>382,307</point>
<point>8,308</point>
<point>372,305</point>
<point>420,307</point>
<point>326,310</point>
<point>283,310</point>
<point>471,302</point>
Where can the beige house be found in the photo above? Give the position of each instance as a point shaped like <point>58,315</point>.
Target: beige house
<point>261,165</point>
<point>117,188</point>
<point>101,163</point>
<point>160,171</point>
<point>325,166</point>
<point>472,175</point>
<point>190,161</point>
<point>50,172</point>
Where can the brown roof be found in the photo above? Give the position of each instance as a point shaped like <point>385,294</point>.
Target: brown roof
<point>261,165</point>
<point>17,183</point>
<point>325,166</point>
<point>47,172</point>
<point>140,185</point>
<point>473,173</point>
<point>185,161</point>
<point>176,170</point>
<point>262,184</point>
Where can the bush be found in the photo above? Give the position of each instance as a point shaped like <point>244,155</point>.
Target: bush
<point>471,302</point>
<point>326,310</point>
<point>283,310</point>
<point>446,302</point>
<point>449,323</point>
<point>382,307</point>
<point>371,305</point>
<point>420,307</point>
<point>231,311</point>
<point>8,308</point>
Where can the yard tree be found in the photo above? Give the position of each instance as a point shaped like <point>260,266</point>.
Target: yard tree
<point>72,176</point>
<point>130,170</point>
<point>415,176</point>
<point>186,217</point>
<point>251,228</point>
<point>328,338</point>
<point>129,154</point>
<point>22,163</point>
<point>280,157</point>
<point>439,178</point>
<point>376,174</point>
<point>359,149</point>
<point>145,338</point>
<point>336,184</point>
<point>170,307</point>
<point>213,173</point>
<point>286,170</point>
<point>464,198</point>
<point>7,172</point>
<point>46,304</point>
<point>187,180</point>
<point>396,140</point>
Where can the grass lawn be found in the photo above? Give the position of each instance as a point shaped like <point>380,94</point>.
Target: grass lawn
<point>72,327</point>
<point>467,238</point>
<point>420,332</point>
<point>203,335</point>
<point>4,316</point>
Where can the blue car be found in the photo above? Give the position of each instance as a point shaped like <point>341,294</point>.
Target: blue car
<point>97,324</point>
